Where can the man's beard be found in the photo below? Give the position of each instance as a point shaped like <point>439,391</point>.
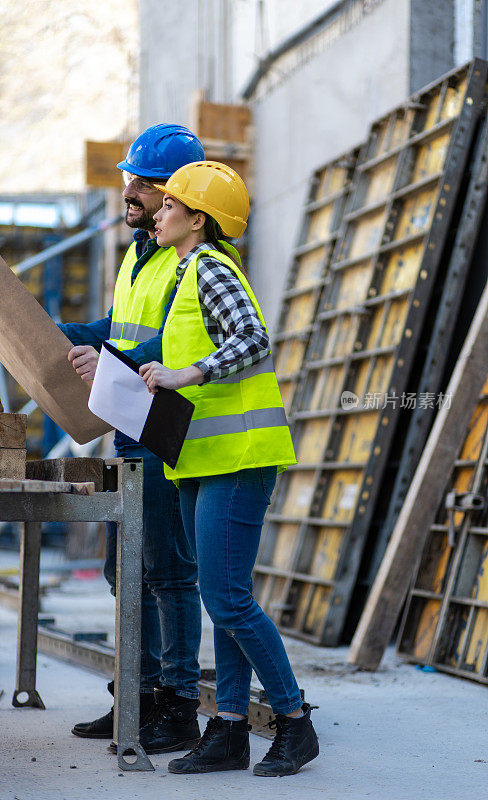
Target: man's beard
<point>144,220</point>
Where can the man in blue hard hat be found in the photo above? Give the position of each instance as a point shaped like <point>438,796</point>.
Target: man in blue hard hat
<point>171,616</point>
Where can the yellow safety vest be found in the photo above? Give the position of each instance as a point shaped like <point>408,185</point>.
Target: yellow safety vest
<point>238,422</point>
<point>138,308</point>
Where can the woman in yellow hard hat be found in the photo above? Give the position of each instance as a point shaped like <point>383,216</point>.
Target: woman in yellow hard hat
<point>216,353</point>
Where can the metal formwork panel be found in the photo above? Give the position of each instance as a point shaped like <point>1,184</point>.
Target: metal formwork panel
<point>445,623</point>
<point>363,343</point>
<point>445,341</point>
<point>326,199</point>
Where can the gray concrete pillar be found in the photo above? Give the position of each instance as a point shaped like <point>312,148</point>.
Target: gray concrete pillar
<point>432,32</point>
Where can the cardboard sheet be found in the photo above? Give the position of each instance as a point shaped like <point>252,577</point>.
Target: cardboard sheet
<point>34,351</point>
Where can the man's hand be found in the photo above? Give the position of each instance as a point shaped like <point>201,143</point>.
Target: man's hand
<point>156,375</point>
<point>84,359</point>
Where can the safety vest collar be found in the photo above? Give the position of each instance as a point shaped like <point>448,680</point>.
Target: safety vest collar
<point>139,307</point>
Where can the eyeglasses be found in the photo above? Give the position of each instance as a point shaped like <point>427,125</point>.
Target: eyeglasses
<point>139,184</point>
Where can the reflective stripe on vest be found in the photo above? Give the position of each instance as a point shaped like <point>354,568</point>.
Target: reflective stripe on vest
<point>239,422</point>
<point>116,330</point>
<point>132,332</point>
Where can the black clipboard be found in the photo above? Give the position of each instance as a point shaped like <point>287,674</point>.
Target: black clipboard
<point>168,419</point>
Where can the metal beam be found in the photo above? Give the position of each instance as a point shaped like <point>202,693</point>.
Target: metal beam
<point>67,244</point>
<point>100,658</point>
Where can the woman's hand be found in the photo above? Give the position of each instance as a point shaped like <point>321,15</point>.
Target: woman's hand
<point>156,375</point>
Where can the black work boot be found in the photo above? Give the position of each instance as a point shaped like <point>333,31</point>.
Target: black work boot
<point>295,744</point>
<point>224,745</point>
<point>172,724</point>
<point>103,727</point>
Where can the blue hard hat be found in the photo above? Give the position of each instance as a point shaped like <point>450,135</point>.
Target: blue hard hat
<point>161,150</point>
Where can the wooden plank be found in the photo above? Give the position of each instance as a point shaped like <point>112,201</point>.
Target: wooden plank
<point>101,163</point>
<point>87,488</point>
<point>72,470</point>
<point>37,487</point>
<point>223,121</point>
<point>34,351</point>
<point>13,430</point>
<point>384,603</point>
<point>12,463</point>
<point>9,485</point>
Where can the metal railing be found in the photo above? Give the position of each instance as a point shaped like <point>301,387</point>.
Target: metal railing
<point>67,244</point>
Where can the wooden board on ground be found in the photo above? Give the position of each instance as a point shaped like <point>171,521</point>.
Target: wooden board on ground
<point>384,603</point>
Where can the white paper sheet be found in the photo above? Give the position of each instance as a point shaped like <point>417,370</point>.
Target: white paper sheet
<point>119,396</point>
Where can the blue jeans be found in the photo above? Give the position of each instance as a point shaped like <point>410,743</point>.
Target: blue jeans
<point>171,613</point>
<point>223,517</point>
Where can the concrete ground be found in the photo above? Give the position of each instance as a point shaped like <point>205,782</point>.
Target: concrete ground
<point>398,734</point>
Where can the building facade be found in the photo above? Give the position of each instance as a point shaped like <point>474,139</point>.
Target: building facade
<point>316,75</point>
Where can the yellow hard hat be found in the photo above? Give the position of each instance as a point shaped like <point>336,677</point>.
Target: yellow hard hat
<point>215,189</point>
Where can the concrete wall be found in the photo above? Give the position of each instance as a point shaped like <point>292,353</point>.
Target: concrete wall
<point>320,111</point>
<point>183,48</point>
<point>169,59</point>
<point>280,20</point>
<point>432,40</point>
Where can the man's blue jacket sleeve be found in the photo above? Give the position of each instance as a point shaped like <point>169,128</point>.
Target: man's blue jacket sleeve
<point>95,333</point>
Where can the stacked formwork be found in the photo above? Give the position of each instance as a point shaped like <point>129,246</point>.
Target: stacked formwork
<point>380,293</point>
<point>327,197</point>
<point>445,621</point>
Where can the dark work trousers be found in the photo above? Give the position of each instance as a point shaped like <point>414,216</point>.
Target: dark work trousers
<point>171,612</point>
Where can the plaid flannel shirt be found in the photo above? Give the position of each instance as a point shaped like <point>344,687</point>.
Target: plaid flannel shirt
<point>229,317</point>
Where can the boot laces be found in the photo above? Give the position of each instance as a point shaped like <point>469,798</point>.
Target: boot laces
<point>161,710</point>
<point>153,715</point>
<point>212,727</point>
<point>277,748</point>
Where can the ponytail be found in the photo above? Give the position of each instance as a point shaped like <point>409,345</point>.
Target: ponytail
<point>214,236</point>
